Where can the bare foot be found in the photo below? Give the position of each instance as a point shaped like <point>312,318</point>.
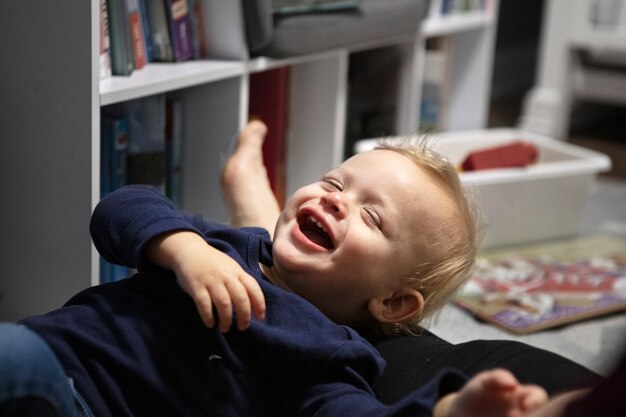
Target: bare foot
<point>245,186</point>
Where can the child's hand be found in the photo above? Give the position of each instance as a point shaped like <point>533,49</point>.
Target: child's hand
<point>211,278</point>
<point>493,393</point>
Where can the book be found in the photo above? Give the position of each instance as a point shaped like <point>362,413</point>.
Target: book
<point>105,42</point>
<point>136,33</point>
<point>161,43</point>
<point>113,153</point>
<point>436,84</point>
<point>122,55</point>
<point>197,29</point>
<point>180,29</point>
<point>113,175</point>
<point>146,138</point>
<point>534,287</point>
<point>147,30</point>
<point>429,107</point>
<point>269,102</point>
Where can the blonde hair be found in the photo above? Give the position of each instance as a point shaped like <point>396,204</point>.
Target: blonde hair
<point>452,263</point>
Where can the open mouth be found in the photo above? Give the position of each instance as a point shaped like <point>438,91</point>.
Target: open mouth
<point>314,230</point>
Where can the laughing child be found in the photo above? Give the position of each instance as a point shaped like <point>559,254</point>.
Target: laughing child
<point>377,244</point>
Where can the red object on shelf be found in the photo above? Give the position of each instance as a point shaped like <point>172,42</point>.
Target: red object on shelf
<point>269,102</point>
<point>516,154</point>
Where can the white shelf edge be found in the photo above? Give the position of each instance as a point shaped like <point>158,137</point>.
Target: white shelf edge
<point>262,63</point>
<point>456,23</point>
<point>158,78</point>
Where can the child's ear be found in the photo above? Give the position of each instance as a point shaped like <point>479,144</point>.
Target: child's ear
<point>403,306</point>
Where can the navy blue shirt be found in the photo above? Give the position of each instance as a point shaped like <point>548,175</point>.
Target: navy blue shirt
<point>137,347</point>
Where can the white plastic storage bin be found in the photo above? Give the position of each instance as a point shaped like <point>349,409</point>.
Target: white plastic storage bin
<point>538,202</point>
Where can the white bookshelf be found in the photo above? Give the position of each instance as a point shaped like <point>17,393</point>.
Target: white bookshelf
<point>158,78</point>
<point>466,63</point>
<point>50,126</point>
<point>594,27</point>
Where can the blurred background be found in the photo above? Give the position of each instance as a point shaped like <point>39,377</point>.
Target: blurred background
<point>593,124</point>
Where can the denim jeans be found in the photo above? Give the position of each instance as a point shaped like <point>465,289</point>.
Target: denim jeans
<point>32,381</point>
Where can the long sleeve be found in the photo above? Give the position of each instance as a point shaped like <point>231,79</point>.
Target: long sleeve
<point>127,219</point>
<point>346,393</point>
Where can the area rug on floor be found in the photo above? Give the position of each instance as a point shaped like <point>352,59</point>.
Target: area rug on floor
<point>535,287</point>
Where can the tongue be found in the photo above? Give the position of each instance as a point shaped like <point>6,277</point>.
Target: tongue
<point>318,237</point>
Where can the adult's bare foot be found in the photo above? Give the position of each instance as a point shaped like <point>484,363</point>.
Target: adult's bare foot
<point>245,186</point>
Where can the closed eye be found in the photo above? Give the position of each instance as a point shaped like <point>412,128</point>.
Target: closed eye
<point>373,218</point>
<point>334,183</point>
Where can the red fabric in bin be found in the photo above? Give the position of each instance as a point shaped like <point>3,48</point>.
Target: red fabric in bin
<point>516,154</point>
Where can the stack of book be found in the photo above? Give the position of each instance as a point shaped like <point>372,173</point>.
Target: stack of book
<point>136,32</point>
<point>141,143</point>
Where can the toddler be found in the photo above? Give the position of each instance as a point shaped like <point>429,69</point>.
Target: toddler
<point>380,241</point>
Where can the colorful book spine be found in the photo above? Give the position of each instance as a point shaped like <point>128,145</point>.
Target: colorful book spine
<point>147,30</point>
<point>180,29</point>
<point>136,33</point>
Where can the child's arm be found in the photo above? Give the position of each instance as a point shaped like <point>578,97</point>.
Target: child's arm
<point>131,222</point>
<point>493,393</point>
<point>210,277</point>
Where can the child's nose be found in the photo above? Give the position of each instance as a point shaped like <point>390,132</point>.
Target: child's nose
<point>335,202</point>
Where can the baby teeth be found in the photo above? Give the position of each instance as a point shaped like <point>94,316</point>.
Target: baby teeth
<point>314,220</point>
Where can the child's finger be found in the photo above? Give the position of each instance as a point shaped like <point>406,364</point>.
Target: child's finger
<point>241,303</point>
<point>202,299</point>
<point>499,379</point>
<point>533,397</point>
<point>257,299</point>
<point>223,304</point>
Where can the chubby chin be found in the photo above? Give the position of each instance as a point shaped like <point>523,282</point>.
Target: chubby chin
<point>280,231</point>
<point>291,254</point>
<point>283,249</point>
